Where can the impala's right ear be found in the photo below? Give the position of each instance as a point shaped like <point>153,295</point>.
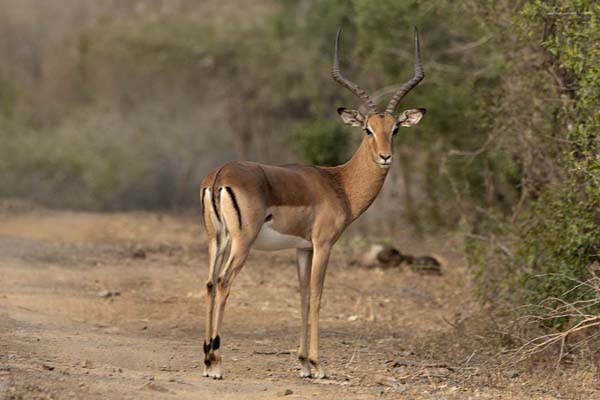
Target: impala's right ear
<point>351,117</point>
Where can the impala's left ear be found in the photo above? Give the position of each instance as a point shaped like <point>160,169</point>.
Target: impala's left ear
<point>411,117</point>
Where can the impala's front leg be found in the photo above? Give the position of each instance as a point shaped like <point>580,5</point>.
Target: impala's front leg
<point>304,268</point>
<point>317,278</point>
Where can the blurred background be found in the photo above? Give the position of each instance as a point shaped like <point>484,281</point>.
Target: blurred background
<point>126,104</point>
<point>112,105</point>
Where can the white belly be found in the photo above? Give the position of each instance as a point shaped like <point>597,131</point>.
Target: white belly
<point>269,239</point>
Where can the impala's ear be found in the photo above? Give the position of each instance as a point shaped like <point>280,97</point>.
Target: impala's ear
<point>411,117</point>
<point>351,117</point>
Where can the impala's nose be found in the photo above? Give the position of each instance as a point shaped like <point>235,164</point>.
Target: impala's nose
<point>385,160</point>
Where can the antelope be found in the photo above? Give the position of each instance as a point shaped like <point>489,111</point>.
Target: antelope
<point>304,207</point>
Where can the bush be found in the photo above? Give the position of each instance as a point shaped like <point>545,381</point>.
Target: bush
<point>553,234</point>
<point>321,142</point>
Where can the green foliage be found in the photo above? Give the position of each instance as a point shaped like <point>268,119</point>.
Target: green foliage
<point>554,231</point>
<point>560,243</point>
<point>321,142</point>
<point>562,234</point>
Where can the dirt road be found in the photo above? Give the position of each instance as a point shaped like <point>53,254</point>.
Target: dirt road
<point>111,306</point>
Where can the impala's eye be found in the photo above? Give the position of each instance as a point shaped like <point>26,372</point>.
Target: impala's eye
<point>369,131</point>
<point>395,130</point>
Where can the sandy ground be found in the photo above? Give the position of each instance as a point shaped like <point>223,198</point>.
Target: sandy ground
<point>391,334</point>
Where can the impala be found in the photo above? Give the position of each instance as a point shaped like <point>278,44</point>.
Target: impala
<point>249,205</point>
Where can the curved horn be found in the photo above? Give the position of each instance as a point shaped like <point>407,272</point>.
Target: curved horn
<point>408,86</point>
<point>353,87</point>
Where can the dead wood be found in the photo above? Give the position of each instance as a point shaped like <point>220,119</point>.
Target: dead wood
<point>384,256</point>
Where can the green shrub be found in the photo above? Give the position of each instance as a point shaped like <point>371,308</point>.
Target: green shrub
<point>321,142</point>
<point>553,234</point>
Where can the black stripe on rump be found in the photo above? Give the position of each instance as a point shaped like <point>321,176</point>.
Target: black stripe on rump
<point>215,194</point>
<point>235,205</point>
<point>214,205</point>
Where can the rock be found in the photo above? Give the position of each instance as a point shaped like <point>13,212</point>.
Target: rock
<point>391,257</point>
<point>112,329</point>
<point>384,256</point>
<point>286,392</point>
<point>153,386</point>
<point>369,259</point>
<point>48,367</point>
<point>426,265</point>
<point>512,374</point>
<point>170,300</point>
<point>108,293</point>
<point>139,253</point>
<point>87,364</point>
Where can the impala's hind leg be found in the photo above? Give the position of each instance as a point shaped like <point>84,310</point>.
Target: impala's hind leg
<point>231,203</point>
<point>234,264</point>
<point>217,245</point>
<point>210,300</point>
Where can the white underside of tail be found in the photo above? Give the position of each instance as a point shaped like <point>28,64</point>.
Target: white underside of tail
<point>208,201</point>
<point>220,228</point>
<point>269,239</point>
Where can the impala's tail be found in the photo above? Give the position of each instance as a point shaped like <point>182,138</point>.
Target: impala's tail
<point>215,222</point>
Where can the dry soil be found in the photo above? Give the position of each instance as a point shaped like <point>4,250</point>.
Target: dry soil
<point>112,306</point>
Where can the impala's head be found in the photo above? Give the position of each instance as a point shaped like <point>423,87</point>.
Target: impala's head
<point>381,127</point>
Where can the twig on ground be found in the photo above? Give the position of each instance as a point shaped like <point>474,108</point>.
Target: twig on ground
<point>407,363</point>
<point>273,353</point>
<point>582,312</point>
<point>353,353</point>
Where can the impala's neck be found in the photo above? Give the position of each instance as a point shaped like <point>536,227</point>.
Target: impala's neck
<point>361,179</point>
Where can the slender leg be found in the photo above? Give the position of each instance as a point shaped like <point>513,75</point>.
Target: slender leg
<point>317,278</point>
<point>210,301</point>
<point>216,252</point>
<point>234,264</point>
<point>304,268</point>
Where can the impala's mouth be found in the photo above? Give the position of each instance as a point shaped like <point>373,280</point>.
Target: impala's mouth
<point>384,164</point>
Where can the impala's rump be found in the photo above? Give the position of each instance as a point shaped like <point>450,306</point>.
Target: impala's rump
<point>242,198</point>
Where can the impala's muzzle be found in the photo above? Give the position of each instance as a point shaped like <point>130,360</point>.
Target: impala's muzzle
<point>385,160</point>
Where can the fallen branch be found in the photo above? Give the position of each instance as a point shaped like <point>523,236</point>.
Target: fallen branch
<point>541,343</point>
<point>383,256</point>
<point>407,363</point>
<point>273,353</point>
